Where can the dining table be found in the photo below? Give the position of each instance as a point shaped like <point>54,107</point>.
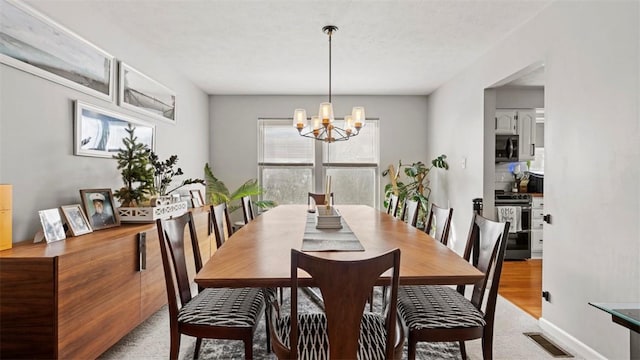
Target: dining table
<point>259,253</point>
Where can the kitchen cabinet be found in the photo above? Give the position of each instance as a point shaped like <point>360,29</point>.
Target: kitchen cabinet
<point>506,122</point>
<point>526,134</point>
<point>537,213</point>
<point>73,299</point>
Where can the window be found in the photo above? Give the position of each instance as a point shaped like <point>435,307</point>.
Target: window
<point>290,165</point>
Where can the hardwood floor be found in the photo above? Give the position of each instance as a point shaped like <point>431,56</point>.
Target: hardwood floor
<point>521,284</point>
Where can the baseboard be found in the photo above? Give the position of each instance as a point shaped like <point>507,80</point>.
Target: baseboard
<point>566,339</point>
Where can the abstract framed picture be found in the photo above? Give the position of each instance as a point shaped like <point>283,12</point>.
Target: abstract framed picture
<point>141,93</point>
<point>31,42</point>
<point>99,206</point>
<point>99,132</point>
<point>76,219</point>
<point>52,225</point>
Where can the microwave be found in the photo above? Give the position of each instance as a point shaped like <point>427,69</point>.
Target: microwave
<point>507,148</point>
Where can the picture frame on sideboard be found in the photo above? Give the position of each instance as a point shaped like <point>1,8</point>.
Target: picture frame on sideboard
<point>76,219</point>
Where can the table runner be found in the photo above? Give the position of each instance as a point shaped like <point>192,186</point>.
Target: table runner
<point>329,239</point>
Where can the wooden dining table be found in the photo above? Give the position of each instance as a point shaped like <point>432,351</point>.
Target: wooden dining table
<point>259,254</point>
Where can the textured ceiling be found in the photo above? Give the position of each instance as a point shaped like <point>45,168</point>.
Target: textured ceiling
<point>277,47</point>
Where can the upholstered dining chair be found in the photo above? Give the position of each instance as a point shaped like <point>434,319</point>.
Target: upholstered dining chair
<point>219,313</point>
<point>410,212</point>
<point>319,199</point>
<point>440,313</point>
<point>221,221</point>
<point>343,331</point>
<point>392,208</point>
<point>440,219</point>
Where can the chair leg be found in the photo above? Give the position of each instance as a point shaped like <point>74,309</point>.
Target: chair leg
<point>463,350</point>
<point>487,344</point>
<point>411,353</point>
<point>281,296</point>
<point>175,345</point>
<point>267,320</point>
<point>196,351</point>
<point>248,348</point>
<point>371,300</point>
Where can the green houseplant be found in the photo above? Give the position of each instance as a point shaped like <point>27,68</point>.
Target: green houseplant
<point>416,186</point>
<point>217,192</point>
<point>165,171</point>
<point>136,171</point>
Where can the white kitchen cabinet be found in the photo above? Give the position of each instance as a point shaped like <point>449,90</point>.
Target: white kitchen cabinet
<point>537,214</point>
<point>526,120</point>
<point>506,122</point>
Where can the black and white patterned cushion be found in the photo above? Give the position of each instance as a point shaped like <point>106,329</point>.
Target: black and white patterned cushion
<point>224,307</point>
<point>436,307</point>
<point>313,340</point>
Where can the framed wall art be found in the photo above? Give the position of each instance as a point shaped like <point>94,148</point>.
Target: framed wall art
<point>51,225</point>
<point>31,42</point>
<point>76,219</point>
<point>99,206</point>
<point>99,132</point>
<point>141,93</point>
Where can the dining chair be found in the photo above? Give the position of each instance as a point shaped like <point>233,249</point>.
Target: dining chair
<point>343,330</point>
<point>442,314</point>
<point>439,223</point>
<point>247,209</point>
<point>410,212</point>
<point>221,221</point>
<point>218,313</point>
<point>319,199</point>
<point>392,208</point>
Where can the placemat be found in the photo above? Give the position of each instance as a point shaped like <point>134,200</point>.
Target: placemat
<point>329,239</point>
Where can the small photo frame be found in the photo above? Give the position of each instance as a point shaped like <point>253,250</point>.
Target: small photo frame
<point>99,206</point>
<point>76,219</point>
<point>198,200</point>
<point>51,225</point>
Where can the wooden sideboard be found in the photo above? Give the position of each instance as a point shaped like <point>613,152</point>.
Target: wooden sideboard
<point>73,299</point>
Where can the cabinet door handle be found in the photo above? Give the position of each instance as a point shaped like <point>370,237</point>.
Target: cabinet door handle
<point>515,125</point>
<point>496,124</point>
<point>533,149</point>
<point>142,251</point>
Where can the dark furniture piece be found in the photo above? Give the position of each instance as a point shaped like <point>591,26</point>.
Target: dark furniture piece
<point>440,219</point>
<point>392,208</point>
<point>221,223</point>
<point>337,330</point>
<point>56,298</point>
<point>212,313</point>
<point>410,212</point>
<point>247,209</point>
<point>440,313</point>
<point>319,199</point>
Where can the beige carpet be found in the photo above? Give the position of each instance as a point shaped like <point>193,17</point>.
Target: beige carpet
<point>151,340</point>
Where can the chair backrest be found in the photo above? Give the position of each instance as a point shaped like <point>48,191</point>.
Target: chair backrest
<point>220,219</point>
<point>410,212</point>
<point>171,235</point>
<point>345,299</point>
<point>319,199</point>
<point>487,243</point>
<point>247,209</point>
<point>392,208</point>
<point>440,219</point>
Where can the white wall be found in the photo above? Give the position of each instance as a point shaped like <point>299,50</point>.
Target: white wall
<point>36,126</point>
<point>592,147</point>
<point>234,153</point>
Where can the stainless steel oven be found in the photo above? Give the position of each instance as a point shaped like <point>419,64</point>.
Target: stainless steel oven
<point>519,243</point>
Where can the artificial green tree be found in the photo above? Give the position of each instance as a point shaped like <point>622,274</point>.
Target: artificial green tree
<point>136,170</point>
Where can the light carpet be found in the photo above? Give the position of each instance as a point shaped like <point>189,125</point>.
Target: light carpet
<point>150,340</point>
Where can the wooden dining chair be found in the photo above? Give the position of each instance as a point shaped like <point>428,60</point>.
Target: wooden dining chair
<point>343,331</point>
<point>319,199</point>
<point>247,209</point>
<point>219,313</point>
<point>221,220</point>
<point>410,212</point>
<point>392,208</point>
<point>442,314</point>
<point>439,223</point>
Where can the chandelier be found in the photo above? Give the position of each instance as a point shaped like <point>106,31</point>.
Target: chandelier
<point>322,127</point>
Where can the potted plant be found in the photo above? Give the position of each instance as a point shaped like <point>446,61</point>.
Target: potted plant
<point>217,192</point>
<point>136,170</point>
<point>416,187</point>
<point>165,171</point>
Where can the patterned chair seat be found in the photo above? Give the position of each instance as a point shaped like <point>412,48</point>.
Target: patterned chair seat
<point>313,341</point>
<point>437,307</point>
<point>224,307</point>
